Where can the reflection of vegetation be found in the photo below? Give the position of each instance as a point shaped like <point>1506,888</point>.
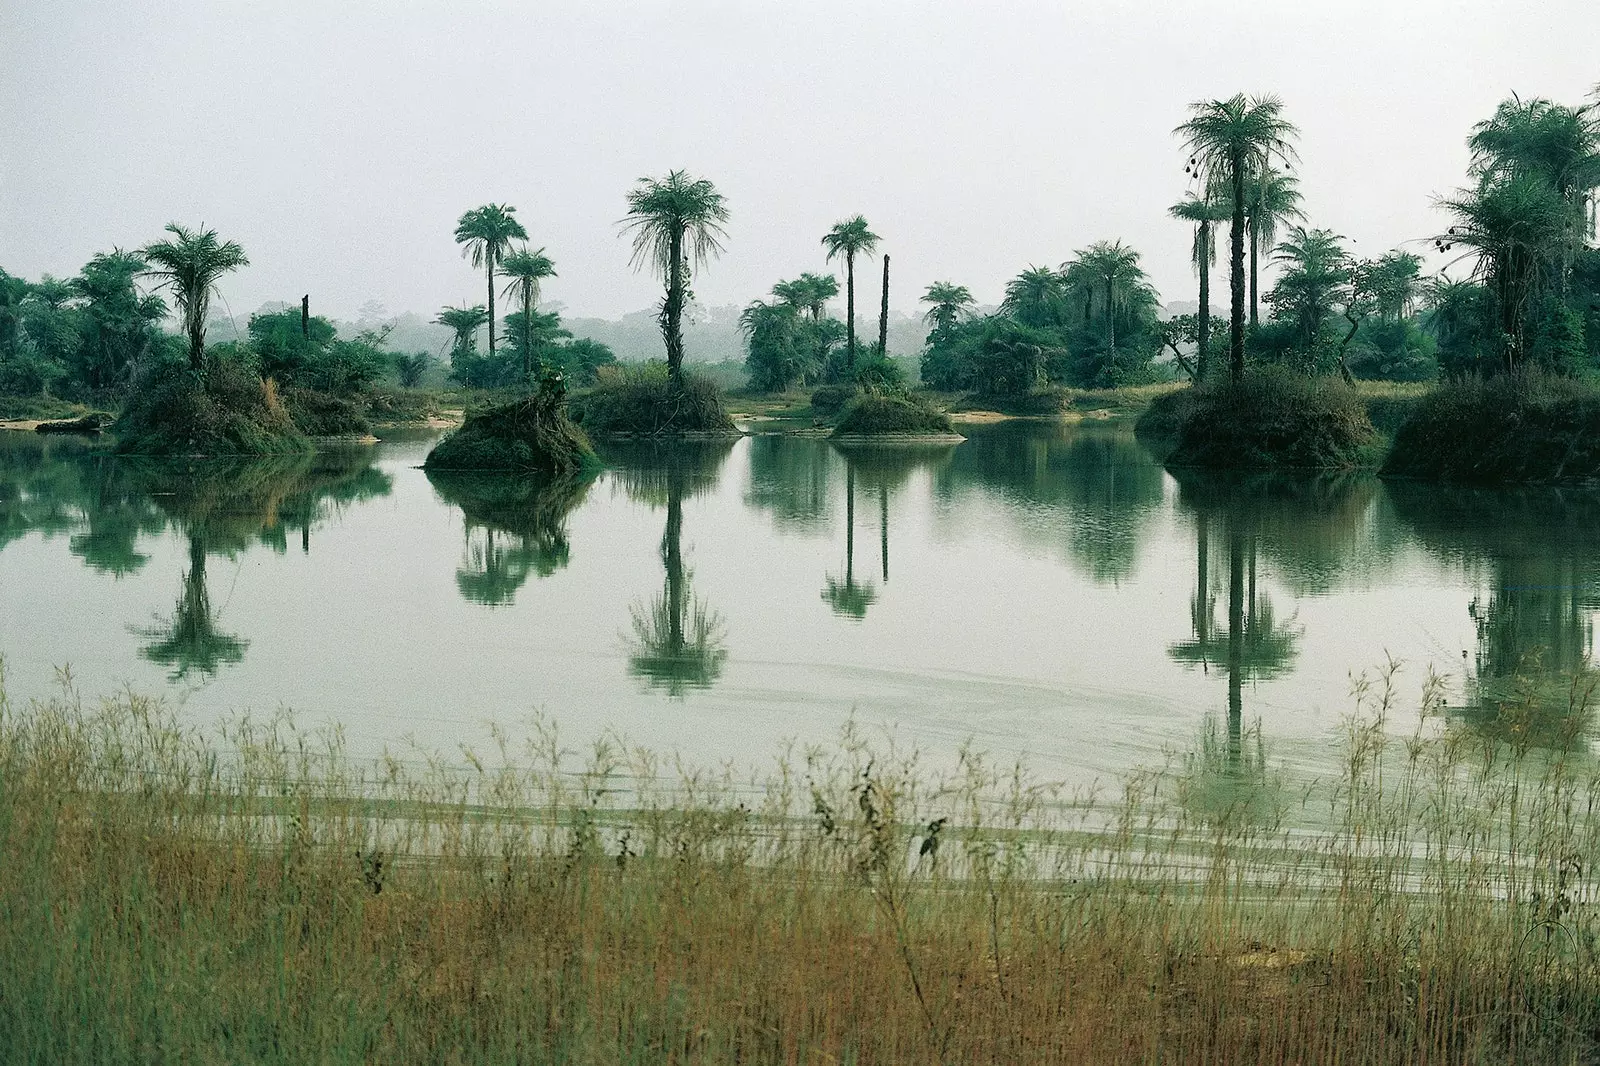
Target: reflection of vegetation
<point>678,638</point>
<point>515,526</point>
<point>1535,625</point>
<point>190,640</point>
<point>848,596</point>
<point>1225,778</point>
<point>791,479</point>
<point>1094,489</point>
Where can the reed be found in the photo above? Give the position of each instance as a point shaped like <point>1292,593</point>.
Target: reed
<point>254,894</point>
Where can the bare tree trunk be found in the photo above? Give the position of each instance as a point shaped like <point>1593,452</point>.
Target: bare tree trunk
<point>305,316</point>
<point>883,314</point>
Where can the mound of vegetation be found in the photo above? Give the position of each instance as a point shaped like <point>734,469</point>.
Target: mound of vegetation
<point>326,414</point>
<point>1041,401</point>
<point>1273,419</point>
<point>830,399</point>
<point>1523,427</point>
<point>647,401</point>
<point>228,410</point>
<point>532,434</point>
<point>888,413</point>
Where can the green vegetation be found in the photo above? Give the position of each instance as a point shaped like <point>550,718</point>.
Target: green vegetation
<point>1525,426</point>
<point>676,223</point>
<point>874,413</point>
<point>1271,418</point>
<point>650,400</point>
<point>531,434</point>
<point>516,527</point>
<point>847,239</point>
<point>257,894</point>
<point>227,410</point>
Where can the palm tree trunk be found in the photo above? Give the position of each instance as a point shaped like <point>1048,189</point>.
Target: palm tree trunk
<point>1235,645</point>
<point>672,307</point>
<point>489,260</point>
<point>1203,333</point>
<point>850,527</point>
<point>883,529</point>
<point>672,559</point>
<point>1236,274</point>
<point>850,309</point>
<point>527,333</point>
<point>1255,244</point>
<point>883,314</point>
<point>1111,323</point>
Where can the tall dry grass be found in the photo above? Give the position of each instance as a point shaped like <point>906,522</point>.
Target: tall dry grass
<point>253,894</point>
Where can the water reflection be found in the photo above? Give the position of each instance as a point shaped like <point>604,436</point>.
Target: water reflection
<point>679,641</point>
<point>222,507</point>
<point>792,479</point>
<point>1534,624</point>
<point>1092,491</point>
<point>514,526</point>
<point>882,471</point>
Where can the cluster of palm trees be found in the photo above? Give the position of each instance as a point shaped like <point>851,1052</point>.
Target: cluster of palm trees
<point>485,235</point>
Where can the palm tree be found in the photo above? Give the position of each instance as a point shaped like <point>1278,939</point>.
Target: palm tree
<point>525,270</point>
<point>191,264</point>
<point>1273,199</point>
<point>1036,298</point>
<point>1111,275</point>
<point>484,234</point>
<point>947,304</point>
<point>1205,212</point>
<point>675,220</point>
<point>465,321</point>
<point>850,238</point>
<point>819,289</point>
<point>1229,140</point>
<point>1317,269</point>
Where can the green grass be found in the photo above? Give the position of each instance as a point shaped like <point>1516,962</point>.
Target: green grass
<point>1272,420</point>
<point>41,407</point>
<point>872,414</point>
<point>646,401</point>
<point>253,894</point>
<point>1511,428</point>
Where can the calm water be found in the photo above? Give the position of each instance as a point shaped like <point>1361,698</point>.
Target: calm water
<point>1048,591</point>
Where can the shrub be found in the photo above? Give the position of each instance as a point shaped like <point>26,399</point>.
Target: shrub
<point>1524,427</point>
<point>322,414</point>
<point>876,413</point>
<point>228,410</point>
<point>830,399</point>
<point>1041,401</point>
<point>401,405</point>
<point>647,401</point>
<point>1273,419</point>
<point>532,434</point>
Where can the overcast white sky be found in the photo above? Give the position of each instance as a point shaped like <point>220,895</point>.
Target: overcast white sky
<point>338,142</point>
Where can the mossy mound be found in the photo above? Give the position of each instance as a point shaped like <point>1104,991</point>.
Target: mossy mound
<point>874,414</point>
<point>646,402</point>
<point>323,414</point>
<point>532,434</point>
<point>1043,401</point>
<point>229,410</point>
<point>1272,420</point>
<point>1526,427</point>
<point>830,399</point>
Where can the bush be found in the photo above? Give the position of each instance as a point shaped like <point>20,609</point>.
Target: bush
<point>1522,427</point>
<point>876,413</point>
<point>392,406</point>
<point>1042,401</point>
<point>830,399</point>
<point>532,434</point>
<point>322,414</point>
<point>228,410</point>
<point>1273,419</point>
<point>646,401</point>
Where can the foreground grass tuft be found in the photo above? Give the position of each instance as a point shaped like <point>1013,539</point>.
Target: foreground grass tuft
<point>256,895</point>
<point>1511,428</point>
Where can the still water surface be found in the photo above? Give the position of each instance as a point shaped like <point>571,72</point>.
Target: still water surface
<point>1047,591</point>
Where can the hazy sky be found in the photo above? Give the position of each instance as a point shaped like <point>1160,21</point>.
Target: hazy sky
<point>339,142</point>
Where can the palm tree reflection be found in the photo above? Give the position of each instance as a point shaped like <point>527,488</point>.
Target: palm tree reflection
<point>514,527</point>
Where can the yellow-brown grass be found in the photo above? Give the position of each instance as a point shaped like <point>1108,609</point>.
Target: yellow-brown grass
<point>253,895</point>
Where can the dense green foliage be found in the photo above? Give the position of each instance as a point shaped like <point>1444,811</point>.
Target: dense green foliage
<point>874,413</point>
<point>226,410</point>
<point>1531,425</point>
<point>649,400</point>
<point>530,434</point>
<point>1272,418</point>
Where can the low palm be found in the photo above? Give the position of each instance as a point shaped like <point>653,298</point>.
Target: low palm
<point>1036,298</point>
<point>1110,277</point>
<point>1272,200</point>
<point>485,233</point>
<point>190,264</point>
<point>1230,140</point>
<point>848,239</point>
<point>465,323</point>
<point>523,271</point>
<point>947,304</point>
<point>676,222</point>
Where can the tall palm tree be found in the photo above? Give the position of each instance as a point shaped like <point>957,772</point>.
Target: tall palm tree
<point>191,264</point>
<point>484,234</point>
<point>849,239</point>
<point>676,221</point>
<point>1273,200</point>
<point>1111,276</point>
<point>1204,212</point>
<point>1036,298</point>
<point>1228,141</point>
<point>947,304</point>
<point>524,270</point>
<point>465,321</point>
